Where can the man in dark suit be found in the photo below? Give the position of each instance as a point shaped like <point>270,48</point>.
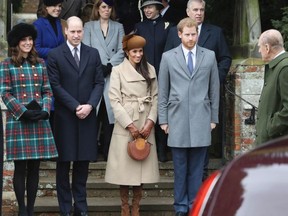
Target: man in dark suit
<point>210,37</point>
<point>171,13</point>
<point>76,77</point>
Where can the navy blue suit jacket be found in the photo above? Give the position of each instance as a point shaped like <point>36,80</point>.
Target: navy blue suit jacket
<point>211,37</point>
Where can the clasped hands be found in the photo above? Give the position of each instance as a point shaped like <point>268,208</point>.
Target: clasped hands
<point>82,111</point>
<point>34,115</point>
<point>144,132</point>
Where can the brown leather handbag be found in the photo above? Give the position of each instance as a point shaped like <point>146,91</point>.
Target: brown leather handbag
<point>138,149</point>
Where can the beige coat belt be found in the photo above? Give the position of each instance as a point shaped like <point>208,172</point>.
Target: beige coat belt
<point>141,107</point>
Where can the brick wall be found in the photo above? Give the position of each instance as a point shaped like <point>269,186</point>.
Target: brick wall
<point>246,80</point>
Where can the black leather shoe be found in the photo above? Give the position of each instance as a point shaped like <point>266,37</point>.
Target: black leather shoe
<point>181,214</point>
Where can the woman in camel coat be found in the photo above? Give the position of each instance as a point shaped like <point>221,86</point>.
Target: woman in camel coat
<point>133,97</point>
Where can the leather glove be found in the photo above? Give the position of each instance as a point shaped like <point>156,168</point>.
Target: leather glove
<point>106,69</point>
<point>31,115</point>
<point>44,115</point>
<point>109,68</point>
<point>146,130</point>
<point>133,130</point>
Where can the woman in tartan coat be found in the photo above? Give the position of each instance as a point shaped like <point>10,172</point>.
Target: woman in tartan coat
<point>28,134</point>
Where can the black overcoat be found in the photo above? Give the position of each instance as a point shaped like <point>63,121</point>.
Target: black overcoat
<point>155,32</point>
<point>76,139</point>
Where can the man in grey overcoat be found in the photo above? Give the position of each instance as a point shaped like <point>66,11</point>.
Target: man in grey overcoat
<point>188,103</point>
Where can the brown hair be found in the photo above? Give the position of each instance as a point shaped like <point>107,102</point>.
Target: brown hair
<point>187,22</point>
<point>95,13</point>
<point>17,57</point>
<point>142,68</point>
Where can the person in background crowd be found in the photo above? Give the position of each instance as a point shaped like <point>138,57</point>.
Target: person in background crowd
<point>188,110</point>
<point>133,95</point>
<point>49,34</point>
<point>155,30</point>
<point>86,13</point>
<point>76,77</point>
<point>272,117</point>
<point>128,13</point>
<point>170,13</point>
<point>28,135</point>
<point>69,8</point>
<point>210,37</point>
<point>49,29</point>
<point>106,35</point>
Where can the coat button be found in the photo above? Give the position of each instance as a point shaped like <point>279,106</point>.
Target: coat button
<point>112,50</point>
<point>36,84</point>
<point>24,95</point>
<point>35,75</point>
<point>23,85</point>
<point>37,94</point>
<point>22,75</point>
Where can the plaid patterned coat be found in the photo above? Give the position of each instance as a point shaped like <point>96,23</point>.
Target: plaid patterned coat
<point>19,86</point>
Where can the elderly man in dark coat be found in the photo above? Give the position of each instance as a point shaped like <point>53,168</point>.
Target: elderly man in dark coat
<point>77,83</point>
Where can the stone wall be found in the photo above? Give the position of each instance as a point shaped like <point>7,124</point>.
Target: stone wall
<point>245,80</point>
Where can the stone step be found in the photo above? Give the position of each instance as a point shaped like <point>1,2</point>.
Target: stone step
<point>97,169</point>
<point>97,187</point>
<point>149,206</point>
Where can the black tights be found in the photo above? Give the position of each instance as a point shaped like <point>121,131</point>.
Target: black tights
<point>31,184</point>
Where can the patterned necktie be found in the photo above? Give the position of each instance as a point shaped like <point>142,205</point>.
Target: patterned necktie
<point>190,63</point>
<point>76,56</point>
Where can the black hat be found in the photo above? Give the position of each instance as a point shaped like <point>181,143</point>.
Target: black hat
<point>52,2</point>
<point>20,31</point>
<point>151,2</point>
<point>109,2</point>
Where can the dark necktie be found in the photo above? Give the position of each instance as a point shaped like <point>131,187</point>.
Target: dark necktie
<point>190,63</point>
<point>76,56</point>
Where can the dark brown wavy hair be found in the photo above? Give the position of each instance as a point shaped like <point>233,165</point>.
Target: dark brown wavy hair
<point>17,56</point>
<point>142,68</point>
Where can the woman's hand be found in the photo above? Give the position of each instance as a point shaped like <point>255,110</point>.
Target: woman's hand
<point>146,130</point>
<point>133,130</point>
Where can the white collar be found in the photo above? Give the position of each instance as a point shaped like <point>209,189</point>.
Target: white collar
<point>71,47</point>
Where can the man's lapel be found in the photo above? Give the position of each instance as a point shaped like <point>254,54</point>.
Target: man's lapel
<point>68,55</point>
